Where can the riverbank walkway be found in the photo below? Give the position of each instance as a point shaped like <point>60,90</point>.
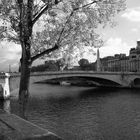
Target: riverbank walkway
<point>13,127</point>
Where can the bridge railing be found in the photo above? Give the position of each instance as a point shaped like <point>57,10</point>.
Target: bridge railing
<point>106,71</point>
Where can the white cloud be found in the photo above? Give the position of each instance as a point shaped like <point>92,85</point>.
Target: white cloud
<point>89,54</point>
<point>114,46</point>
<point>132,14</point>
<point>9,55</point>
<point>2,61</point>
<point>134,29</point>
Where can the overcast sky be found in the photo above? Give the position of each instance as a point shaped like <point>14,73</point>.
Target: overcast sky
<point>117,40</point>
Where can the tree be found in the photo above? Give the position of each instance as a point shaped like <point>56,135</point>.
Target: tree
<point>61,64</point>
<point>19,17</point>
<point>51,65</point>
<point>74,24</point>
<point>83,63</point>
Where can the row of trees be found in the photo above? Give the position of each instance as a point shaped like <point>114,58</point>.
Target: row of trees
<point>50,65</point>
<point>60,64</point>
<point>65,24</point>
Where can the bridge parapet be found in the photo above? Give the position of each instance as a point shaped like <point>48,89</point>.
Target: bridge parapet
<point>72,72</point>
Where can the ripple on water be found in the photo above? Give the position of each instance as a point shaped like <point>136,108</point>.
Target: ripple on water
<point>84,113</point>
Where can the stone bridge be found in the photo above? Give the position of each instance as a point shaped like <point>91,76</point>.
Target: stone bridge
<point>9,82</point>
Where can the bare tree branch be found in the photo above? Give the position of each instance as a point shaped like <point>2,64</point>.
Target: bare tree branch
<point>44,52</point>
<point>71,14</point>
<point>42,10</point>
<point>61,33</point>
<point>39,14</point>
<point>95,1</point>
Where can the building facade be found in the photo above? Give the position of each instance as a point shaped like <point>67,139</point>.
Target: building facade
<point>121,62</point>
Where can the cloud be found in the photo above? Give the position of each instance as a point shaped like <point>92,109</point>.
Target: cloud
<point>114,46</point>
<point>132,14</point>
<point>89,54</point>
<point>2,61</point>
<point>134,29</point>
<point>9,55</point>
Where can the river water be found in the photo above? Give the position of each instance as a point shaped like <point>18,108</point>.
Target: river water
<point>83,113</point>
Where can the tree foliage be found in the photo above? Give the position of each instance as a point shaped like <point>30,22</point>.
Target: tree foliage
<point>65,23</point>
<point>83,62</point>
<point>50,65</point>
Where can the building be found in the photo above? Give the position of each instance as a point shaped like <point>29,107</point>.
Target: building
<point>121,62</point>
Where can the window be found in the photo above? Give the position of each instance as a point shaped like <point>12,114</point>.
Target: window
<point>134,56</point>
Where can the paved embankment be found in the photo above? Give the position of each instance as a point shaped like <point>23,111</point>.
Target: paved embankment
<point>13,127</point>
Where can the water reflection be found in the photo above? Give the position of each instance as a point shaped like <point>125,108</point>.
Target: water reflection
<point>84,113</point>
<point>21,109</point>
<point>5,105</point>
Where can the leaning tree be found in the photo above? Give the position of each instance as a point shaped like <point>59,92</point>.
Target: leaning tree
<point>64,23</point>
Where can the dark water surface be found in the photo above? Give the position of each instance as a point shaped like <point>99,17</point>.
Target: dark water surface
<point>78,113</point>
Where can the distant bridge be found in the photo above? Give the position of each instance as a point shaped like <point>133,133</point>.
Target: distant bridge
<point>9,82</point>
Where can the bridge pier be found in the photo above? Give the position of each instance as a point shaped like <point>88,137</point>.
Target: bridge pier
<point>4,86</point>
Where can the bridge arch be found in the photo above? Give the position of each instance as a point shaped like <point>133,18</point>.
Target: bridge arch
<point>136,82</point>
<point>97,81</point>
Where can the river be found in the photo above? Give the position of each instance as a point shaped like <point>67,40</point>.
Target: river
<point>83,113</point>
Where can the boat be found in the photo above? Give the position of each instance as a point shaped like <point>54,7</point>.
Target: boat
<point>65,83</point>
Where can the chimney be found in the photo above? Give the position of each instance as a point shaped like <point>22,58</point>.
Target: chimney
<point>138,44</point>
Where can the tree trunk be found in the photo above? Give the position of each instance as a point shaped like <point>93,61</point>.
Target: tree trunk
<point>24,79</point>
<point>25,27</point>
<point>24,86</point>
